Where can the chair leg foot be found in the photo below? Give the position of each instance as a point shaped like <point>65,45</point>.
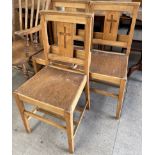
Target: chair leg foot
<point>120,98</point>
<point>70,130</point>
<point>21,108</point>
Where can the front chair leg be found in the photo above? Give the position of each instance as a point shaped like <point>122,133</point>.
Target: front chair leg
<point>120,98</point>
<point>70,131</point>
<point>21,108</point>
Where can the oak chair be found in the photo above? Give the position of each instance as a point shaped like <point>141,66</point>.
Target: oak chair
<point>27,41</point>
<point>63,5</point>
<point>55,90</point>
<point>111,67</point>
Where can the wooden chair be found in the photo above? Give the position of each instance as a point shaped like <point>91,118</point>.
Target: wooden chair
<point>111,67</point>
<point>63,5</point>
<point>55,90</point>
<point>28,42</point>
<point>106,67</point>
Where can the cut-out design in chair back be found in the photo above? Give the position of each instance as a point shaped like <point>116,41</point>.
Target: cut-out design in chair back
<point>64,50</point>
<point>111,13</point>
<point>29,12</point>
<point>71,6</point>
<point>111,24</point>
<point>65,39</point>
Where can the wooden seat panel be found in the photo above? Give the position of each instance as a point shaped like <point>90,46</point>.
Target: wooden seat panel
<point>53,86</point>
<point>110,64</point>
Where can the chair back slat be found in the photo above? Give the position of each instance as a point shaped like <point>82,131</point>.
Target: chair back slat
<point>20,14</point>
<point>43,5</point>
<point>29,17</point>
<point>29,12</point>
<point>32,14</point>
<point>64,51</point>
<point>37,14</point>
<point>48,3</point>
<point>26,13</point>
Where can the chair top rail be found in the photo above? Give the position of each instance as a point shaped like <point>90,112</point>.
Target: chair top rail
<point>71,17</point>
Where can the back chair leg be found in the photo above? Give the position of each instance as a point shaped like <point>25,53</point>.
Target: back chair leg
<point>70,131</point>
<point>120,98</point>
<point>25,71</point>
<point>21,108</point>
<point>35,66</point>
<point>87,94</point>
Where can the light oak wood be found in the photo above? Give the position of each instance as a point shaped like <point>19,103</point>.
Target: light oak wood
<point>74,6</point>
<point>105,66</point>
<point>45,120</point>
<point>112,67</point>
<point>102,92</point>
<point>55,90</point>
<point>80,119</point>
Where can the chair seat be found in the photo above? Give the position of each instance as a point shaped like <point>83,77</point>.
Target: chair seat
<point>53,86</point>
<point>109,64</point>
<point>18,53</point>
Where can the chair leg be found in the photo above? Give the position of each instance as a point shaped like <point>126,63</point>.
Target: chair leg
<point>70,130</point>
<point>87,94</point>
<point>21,108</point>
<point>120,98</point>
<point>35,66</point>
<point>25,71</point>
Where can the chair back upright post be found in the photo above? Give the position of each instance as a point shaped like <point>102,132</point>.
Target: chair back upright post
<point>111,12</point>
<point>63,51</point>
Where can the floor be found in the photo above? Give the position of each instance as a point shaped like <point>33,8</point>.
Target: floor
<point>99,134</point>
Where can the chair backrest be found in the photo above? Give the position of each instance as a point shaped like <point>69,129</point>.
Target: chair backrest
<point>71,5</point>
<point>111,12</point>
<point>64,51</point>
<point>29,12</point>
